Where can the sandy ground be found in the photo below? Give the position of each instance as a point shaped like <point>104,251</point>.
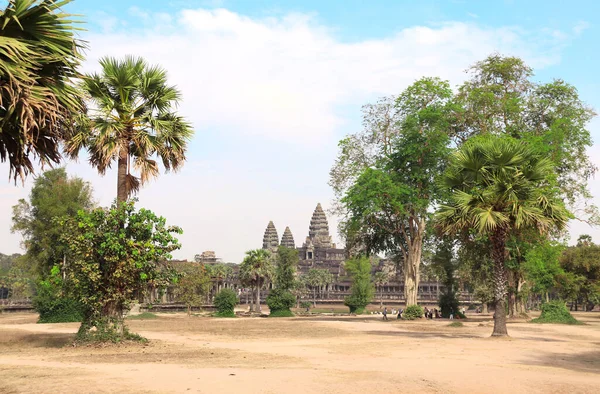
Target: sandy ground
<point>318,354</point>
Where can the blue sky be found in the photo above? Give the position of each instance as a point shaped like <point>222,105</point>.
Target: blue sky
<point>271,86</point>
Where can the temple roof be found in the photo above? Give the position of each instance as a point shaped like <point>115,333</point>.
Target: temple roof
<point>318,231</point>
<point>287,239</point>
<point>271,239</point>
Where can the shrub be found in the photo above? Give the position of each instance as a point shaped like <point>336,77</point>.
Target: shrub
<point>225,301</point>
<point>54,306</point>
<point>305,305</point>
<point>280,301</point>
<point>412,312</point>
<point>455,324</point>
<point>555,312</point>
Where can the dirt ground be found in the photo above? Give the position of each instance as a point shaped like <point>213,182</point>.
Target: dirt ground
<point>319,354</point>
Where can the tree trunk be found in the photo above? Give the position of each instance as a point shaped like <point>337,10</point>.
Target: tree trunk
<point>412,265</point>
<point>314,297</point>
<point>484,307</point>
<point>258,299</point>
<point>512,297</point>
<point>122,192</point>
<point>500,281</point>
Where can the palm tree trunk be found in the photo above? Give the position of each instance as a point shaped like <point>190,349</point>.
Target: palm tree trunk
<point>500,281</point>
<point>257,298</point>
<point>122,192</point>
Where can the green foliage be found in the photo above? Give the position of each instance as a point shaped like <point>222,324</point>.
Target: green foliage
<point>281,313</point>
<point>53,197</point>
<point>456,324</point>
<point>39,58</point>
<point>305,305</point>
<point>256,271</point>
<point>17,283</point>
<point>387,202</point>
<point>138,125</point>
<point>412,312</point>
<point>501,99</point>
<point>542,265</point>
<point>225,302</point>
<point>581,279</point>
<point>53,305</point>
<point>143,316</point>
<point>555,312</point>
<point>280,301</point>
<point>285,270</point>
<point>115,256</point>
<point>192,285</point>
<point>362,289</point>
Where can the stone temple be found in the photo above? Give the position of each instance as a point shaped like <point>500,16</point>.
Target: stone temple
<point>317,251</point>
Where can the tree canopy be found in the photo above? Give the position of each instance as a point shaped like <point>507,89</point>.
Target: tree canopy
<point>39,57</point>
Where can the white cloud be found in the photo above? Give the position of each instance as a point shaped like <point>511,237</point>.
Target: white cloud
<point>269,99</point>
<point>580,27</point>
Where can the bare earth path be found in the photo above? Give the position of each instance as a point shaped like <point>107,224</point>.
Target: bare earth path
<point>303,355</point>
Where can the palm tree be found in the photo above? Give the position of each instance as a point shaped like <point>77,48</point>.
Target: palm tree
<point>500,186</point>
<point>131,118</point>
<point>39,56</point>
<point>256,271</point>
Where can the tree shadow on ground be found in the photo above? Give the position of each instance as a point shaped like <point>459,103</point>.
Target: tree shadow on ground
<point>423,335</point>
<point>580,362</point>
<point>11,339</point>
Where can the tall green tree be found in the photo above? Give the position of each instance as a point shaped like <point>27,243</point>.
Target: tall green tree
<point>192,285</point>
<point>542,267</point>
<point>581,279</point>
<point>500,98</point>
<point>285,270</point>
<point>257,270</point>
<point>131,121</point>
<point>499,186</point>
<point>54,195</point>
<point>39,57</point>
<point>388,205</point>
<point>361,289</point>
<point>115,255</point>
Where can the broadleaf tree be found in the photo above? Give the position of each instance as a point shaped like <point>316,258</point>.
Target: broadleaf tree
<point>115,255</point>
<point>388,205</point>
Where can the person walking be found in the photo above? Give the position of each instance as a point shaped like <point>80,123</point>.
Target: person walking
<point>385,313</point>
<point>400,313</point>
<point>451,313</point>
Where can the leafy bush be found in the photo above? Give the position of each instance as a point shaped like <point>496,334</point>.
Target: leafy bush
<point>54,306</point>
<point>555,312</point>
<point>281,313</point>
<point>305,305</point>
<point>225,301</point>
<point>412,312</point>
<point>280,301</point>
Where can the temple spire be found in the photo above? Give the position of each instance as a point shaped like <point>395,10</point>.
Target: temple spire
<point>287,239</point>
<point>271,239</point>
<point>318,231</point>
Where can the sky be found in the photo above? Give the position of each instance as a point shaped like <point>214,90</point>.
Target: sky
<point>271,87</point>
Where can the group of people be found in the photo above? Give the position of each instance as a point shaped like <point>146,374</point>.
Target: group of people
<point>428,313</point>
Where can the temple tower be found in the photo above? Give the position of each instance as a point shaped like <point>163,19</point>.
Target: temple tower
<point>287,239</point>
<point>318,231</point>
<point>271,239</point>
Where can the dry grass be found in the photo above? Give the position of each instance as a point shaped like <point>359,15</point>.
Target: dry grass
<point>337,354</point>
